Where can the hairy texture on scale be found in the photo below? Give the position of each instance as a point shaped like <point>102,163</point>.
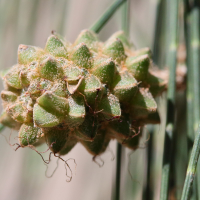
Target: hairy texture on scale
<point>88,92</point>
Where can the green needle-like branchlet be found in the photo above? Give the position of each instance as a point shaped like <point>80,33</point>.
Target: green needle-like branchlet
<point>116,193</point>
<point>159,29</point>
<point>118,172</point>
<point>195,62</point>
<point>191,170</point>
<point>193,49</point>
<point>172,15</point>
<point>106,16</point>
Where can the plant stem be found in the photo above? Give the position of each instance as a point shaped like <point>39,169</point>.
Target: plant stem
<point>191,170</point>
<point>195,41</point>
<point>195,68</point>
<point>125,17</point>
<point>98,25</point>
<point>1,127</point>
<point>147,194</point>
<point>125,28</point>
<point>192,38</point>
<point>172,15</point>
<point>189,91</point>
<point>158,31</point>
<point>118,172</point>
<point>180,150</point>
<point>190,94</point>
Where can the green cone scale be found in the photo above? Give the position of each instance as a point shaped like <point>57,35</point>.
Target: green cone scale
<point>27,54</point>
<point>139,66</point>
<point>6,120</point>
<point>124,86</point>
<point>56,138</point>
<point>8,96</point>
<point>53,103</point>
<point>44,118</point>
<point>114,48</point>
<point>89,38</point>
<point>121,130</point>
<point>55,47</point>
<point>104,69</point>
<point>30,135</point>
<point>88,92</point>
<point>98,145</point>
<point>69,144</point>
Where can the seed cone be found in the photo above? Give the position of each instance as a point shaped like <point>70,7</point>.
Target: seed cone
<point>87,92</point>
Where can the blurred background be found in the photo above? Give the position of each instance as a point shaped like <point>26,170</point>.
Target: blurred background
<point>22,173</point>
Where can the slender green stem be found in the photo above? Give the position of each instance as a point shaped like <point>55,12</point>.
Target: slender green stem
<point>180,151</point>
<point>1,127</point>
<point>192,39</point>
<point>179,160</point>
<point>190,97</point>
<point>195,41</point>
<point>158,33</point>
<point>147,194</point>
<point>125,25</point>
<point>172,14</point>
<point>191,170</point>
<point>125,17</point>
<point>118,172</point>
<point>98,25</point>
<point>189,91</point>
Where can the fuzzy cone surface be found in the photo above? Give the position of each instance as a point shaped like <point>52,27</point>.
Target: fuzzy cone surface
<point>88,92</point>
